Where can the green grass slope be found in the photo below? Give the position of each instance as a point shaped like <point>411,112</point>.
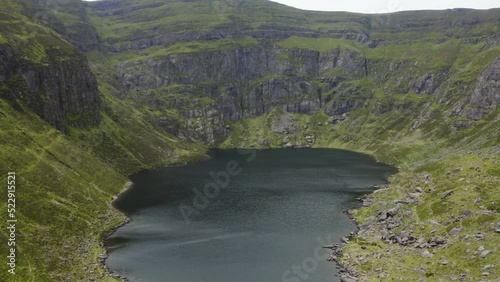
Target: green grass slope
<point>66,182</point>
<point>63,195</point>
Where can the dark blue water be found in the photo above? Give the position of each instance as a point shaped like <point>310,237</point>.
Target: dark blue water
<point>251,216</point>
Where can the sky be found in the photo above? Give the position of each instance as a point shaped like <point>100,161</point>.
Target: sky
<point>387,6</point>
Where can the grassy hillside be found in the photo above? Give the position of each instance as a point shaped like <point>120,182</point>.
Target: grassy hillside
<point>65,185</point>
<point>65,181</point>
<point>130,22</point>
<point>63,194</point>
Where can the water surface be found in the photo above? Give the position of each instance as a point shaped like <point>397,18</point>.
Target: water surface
<point>267,224</point>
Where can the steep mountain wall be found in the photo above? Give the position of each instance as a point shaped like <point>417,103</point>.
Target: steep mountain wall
<point>219,70</point>
<point>40,68</point>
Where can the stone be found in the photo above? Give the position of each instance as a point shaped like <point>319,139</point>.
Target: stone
<point>394,211</point>
<point>348,278</point>
<point>436,241</point>
<point>446,194</point>
<point>485,253</point>
<point>420,271</point>
<point>479,236</point>
<point>488,266</point>
<point>427,254</point>
<point>456,230</point>
<point>382,216</point>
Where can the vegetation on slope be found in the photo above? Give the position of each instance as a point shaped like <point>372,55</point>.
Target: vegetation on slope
<point>63,196</point>
<point>65,182</point>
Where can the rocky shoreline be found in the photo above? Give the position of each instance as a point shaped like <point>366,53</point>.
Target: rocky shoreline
<point>347,272</point>
<point>382,223</point>
<point>105,255</point>
<point>391,226</point>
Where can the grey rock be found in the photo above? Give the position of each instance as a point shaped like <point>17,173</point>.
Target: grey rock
<point>456,230</point>
<point>395,210</point>
<point>382,216</point>
<point>427,254</point>
<point>485,98</point>
<point>480,236</point>
<point>436,241</point>
<point>485,253</point>
<point>420,271</point>
<point>446,194</point>
<point>348,278</point>
<point>58,93</point>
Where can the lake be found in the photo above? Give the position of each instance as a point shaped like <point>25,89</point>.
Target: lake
<point>242,216</point>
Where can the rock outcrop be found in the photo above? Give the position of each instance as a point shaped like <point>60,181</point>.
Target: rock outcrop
<point>486,95</point>
<point>63,92</point>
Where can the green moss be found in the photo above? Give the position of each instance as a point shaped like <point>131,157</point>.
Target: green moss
<point>3,40</point>
<point>34,52</point>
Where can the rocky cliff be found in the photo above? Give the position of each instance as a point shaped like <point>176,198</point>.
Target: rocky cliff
<point>40,68</point>
<point>486,95</point>
<point>235,66</point>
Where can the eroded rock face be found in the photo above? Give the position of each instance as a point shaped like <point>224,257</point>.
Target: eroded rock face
<point>237,64</point>
<point>62,92</point>
<point>486,95</point>
<point>211,88</point>
<point>242,83</point>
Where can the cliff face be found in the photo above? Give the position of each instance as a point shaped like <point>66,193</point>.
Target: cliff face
<point>486,95</point>
<point>240,59</point>
<point>228,85</point>
<point>40,68</point>
<point>62,93</point>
